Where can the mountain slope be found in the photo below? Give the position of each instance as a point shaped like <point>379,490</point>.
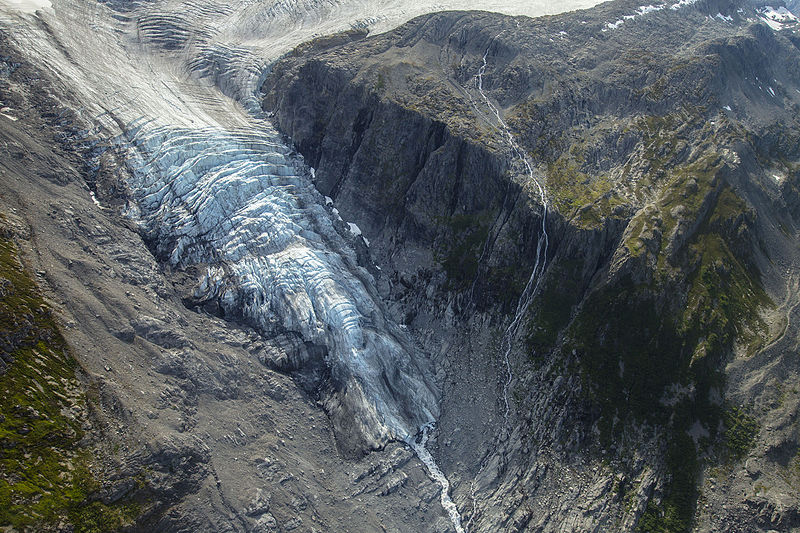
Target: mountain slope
<point>179,423</point>
<point>666,137</point>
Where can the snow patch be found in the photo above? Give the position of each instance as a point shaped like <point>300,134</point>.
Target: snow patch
<point>777,26</point>
<point>777,18</point>
<point>641,11</point>
<point>727,107</point>
<point>355,230</point>
<point>780,14</point>
<point>644,10</point>
<point>682,3</point>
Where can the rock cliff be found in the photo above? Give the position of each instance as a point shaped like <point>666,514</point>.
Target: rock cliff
<point>652,371</point>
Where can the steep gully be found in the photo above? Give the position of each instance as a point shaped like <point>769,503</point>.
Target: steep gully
<point>231,201</point>
<point>532,285</point>
<point>237,203</point>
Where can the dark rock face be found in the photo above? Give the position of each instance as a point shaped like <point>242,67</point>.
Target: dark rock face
<point>666,140</point>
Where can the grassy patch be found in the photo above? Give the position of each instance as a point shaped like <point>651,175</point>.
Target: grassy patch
<point>585,199</point>
<point>725,292</point>
<point>629,353</point>
<point>45,475</point>
<point>380,84</point>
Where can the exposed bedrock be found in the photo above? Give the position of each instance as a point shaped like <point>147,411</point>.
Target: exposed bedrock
<point>657,138</point>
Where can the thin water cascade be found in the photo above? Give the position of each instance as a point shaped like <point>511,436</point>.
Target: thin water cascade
<point>532,286</point>
<point>535,278</point>
<point>214,187</point>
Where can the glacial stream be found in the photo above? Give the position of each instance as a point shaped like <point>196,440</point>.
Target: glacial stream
<point>418,445</point>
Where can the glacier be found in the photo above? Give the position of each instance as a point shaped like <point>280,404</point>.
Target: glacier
<point>237,203</point>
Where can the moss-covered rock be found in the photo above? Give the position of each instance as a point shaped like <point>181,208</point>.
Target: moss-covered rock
<point>47,466</point>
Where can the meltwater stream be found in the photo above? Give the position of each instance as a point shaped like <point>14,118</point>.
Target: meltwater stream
<point>418,445</point>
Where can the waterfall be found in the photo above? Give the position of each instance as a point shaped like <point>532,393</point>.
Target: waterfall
<point>535,278</point>
<point>532,286</point>
<point>214,186</point>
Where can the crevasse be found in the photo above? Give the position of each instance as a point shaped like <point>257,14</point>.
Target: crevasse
<point>238,204</point>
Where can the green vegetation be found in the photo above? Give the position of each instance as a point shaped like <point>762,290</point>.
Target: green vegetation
<point>577,195</point>
<point>641,352</point>
<point>651,344</point>
<point>552,309</point>
<point>725,293</point>
<point>380,85</point>
<point>45,469</point>
<point>691,186</point>
<point>675,511</point>
<point>628,351</point>
<point>740,433</point>
<point>634,243</point>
